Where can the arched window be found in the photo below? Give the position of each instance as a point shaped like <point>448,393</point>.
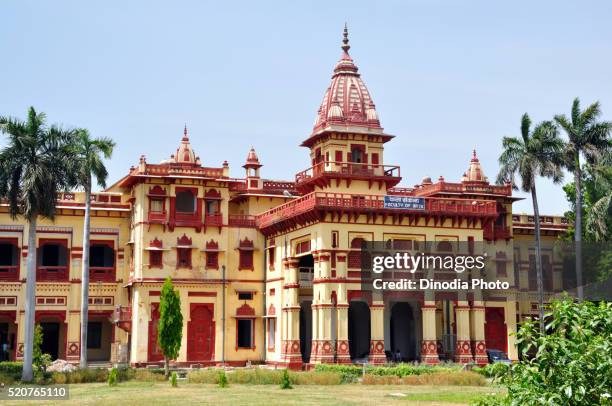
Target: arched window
<point>185,202</point>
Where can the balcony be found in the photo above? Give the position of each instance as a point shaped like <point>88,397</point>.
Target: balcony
<point>101,274</point>
<point>215,219</point>
<point>157,217</point>
<point>242,220</point>
<point>321,173</point>
<point>502,233</point>
<point>122,317</point>
<point>51,273</point>
<point>9,273</point>
<point>306,277</point>
<point>372,204</point>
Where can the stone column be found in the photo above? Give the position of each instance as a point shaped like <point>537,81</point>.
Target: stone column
<point>377,332</point>
<point>343,355</point>
<point>429,345</point>
<point>510,318</point>
<point>463,350</point>
<point>290,352</point>
<point>477,319</point>
<point>73,335</point>
<point>322,345</point>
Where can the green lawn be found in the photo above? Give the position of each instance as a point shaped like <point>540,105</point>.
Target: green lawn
<point>145,393</point>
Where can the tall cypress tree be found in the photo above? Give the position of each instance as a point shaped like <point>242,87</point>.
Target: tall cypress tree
<point>170,328</point>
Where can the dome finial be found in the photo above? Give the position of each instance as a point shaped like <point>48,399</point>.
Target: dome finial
<point>185,132</point>
<point>345,41</point>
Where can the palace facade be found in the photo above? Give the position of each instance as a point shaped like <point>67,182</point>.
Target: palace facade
<point>270,271</point>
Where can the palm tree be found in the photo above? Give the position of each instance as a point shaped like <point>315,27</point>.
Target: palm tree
<point>536,153</point>
<point>588,138</point>
<point>33,168</point>
<point>88,153</point>
<point>598,217</point>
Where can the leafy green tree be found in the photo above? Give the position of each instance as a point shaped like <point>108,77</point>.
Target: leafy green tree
<point>535,153</point>
<point>88,154</point>
<point>573,358</point>
<point>40,360</point>
<point>170,327</point>
<point>588,138</point>
<point>34,167</point>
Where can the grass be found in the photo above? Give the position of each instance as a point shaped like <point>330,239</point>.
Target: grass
<point>159,393</point>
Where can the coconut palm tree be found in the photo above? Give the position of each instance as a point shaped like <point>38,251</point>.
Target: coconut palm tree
<point>88,156</point>
<point>598,218</point>
<point>588,138</point>
<point>33,169</point>
<point>535,153</point>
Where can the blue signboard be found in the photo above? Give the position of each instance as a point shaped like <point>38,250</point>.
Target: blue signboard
<point>403,202</point>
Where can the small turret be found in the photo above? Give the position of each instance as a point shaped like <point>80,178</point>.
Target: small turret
<point>252,166</point>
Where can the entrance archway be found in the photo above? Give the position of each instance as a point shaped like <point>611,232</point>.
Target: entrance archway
<point>403,331</point>
<point>359,330</point>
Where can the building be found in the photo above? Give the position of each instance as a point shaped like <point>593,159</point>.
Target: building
<point>270,271</point>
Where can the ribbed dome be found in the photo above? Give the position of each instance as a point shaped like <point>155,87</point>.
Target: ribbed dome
<point>252,160</point>
<point>347,100</point>
<point>185,155</point>
<point>474,172</point>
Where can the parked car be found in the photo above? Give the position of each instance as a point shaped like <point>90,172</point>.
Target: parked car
<point>498,356</point>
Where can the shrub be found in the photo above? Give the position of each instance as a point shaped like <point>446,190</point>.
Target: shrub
<point>351,373</point>
<point>491,400</point>
<point>223,383</point>
<point>112,377</point>
<point>203,376</point>
<point>86,375</point>
<point>496,370</point>
<point>10,371</point>
<point>146,375</point>
<point>455,378</point>
<point>285,382</point>
<point>58,378</point>
<point>173,381</point>
<point>573,359</point>
<point>315,378</point>
<point>7,379</point>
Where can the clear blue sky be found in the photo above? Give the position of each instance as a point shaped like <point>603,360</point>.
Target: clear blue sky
<point>446,76</point>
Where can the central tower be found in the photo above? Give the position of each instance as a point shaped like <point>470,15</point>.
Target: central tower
<point>347,139</point>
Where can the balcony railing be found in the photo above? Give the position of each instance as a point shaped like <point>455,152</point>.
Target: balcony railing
<point>306,276</point>
<point>440,206</point>
<point>447,187</point>
<point>157,216</point>
<point>213,219</point>
<point>122,317</point>
<point>52,273</point>
<point>347,168</point>
<point>102,274</point>
<point>241,220</point>
<point>8,273</point>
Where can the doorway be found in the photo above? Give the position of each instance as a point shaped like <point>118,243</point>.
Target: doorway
<point>359,331</point>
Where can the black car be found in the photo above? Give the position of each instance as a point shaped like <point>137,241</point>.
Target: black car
<point>498,356</point>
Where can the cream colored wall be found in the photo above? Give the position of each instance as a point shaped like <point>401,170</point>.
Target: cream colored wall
<point>68,225</point>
